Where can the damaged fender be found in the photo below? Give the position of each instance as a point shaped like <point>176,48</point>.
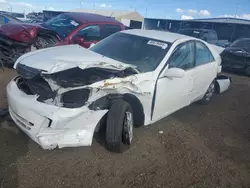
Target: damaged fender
<point>222,83</point>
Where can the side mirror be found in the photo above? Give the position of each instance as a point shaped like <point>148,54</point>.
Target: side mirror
<point>174,73</point>
<point>78,40</point>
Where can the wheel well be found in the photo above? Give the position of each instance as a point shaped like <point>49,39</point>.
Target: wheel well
<point>107,101</point>
<point>138,111</point>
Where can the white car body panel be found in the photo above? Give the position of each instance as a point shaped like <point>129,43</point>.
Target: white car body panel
<point>60,58</point>
<point>173,94</point>
<point>56,126</point>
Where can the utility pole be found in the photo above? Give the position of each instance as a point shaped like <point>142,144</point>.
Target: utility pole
<point>237,10</point>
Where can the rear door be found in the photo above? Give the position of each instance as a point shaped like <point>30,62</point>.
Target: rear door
<point>205,69</point>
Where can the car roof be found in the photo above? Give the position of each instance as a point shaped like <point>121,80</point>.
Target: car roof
<point>88,17</point>
<point>158,35</point>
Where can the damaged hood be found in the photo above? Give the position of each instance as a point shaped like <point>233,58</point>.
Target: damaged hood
<point>55,59</point>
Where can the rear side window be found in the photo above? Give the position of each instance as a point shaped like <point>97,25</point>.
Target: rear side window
<point>90,33</point>
<point>110,29</point>
<point>203,54</point>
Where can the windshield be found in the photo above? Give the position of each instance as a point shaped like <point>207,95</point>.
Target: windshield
<point>192,33</point>
<point>143,53</point>
<point>242,43</point>
<point>63,24</point>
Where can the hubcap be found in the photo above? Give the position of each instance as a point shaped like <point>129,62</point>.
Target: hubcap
<point>210,92</point>
<point>128,128</point>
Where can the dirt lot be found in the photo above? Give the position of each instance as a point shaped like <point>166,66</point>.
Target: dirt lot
<point>201,146</point>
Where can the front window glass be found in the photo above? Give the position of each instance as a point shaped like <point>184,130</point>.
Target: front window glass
<point>63,24</point>
<point>142,52</point>
<point>183,57</point>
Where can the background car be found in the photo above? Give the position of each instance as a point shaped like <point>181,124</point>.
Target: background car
<point>207,35</point>
<point>237,56</point>
<point>68,28</point>
<point>133,78</point>
<point>5,18</point>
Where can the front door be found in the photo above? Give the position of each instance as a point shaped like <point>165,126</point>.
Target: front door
<point>174,93</point>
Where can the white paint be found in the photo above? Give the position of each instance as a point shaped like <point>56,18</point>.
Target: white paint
<point>56,59</point>
<point>223,84</point>
<point>75,127</point>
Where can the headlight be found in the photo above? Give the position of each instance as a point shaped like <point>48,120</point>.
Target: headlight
<point>75,98</point>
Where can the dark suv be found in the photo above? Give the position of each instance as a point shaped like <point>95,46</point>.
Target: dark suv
<point>207,35</point>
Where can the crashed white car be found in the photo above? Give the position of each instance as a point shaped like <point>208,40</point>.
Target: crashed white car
<point>132,78</point>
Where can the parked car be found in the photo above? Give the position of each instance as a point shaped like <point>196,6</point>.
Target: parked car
<point>131,78</point>
<point>68,28</point>
<point>207,35</point>
<point>237,56</point>
<point>5,18</point>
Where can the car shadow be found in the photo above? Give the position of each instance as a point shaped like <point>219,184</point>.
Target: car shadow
<point>13,145</point>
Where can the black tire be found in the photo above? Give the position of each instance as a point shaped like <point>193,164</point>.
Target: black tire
<point>209,94</point>
<point>118,138</point>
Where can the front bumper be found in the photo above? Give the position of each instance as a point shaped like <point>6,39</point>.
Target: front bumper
<point>52,126</point>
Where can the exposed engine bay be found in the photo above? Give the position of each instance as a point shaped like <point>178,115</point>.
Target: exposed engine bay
<point>64,88</point>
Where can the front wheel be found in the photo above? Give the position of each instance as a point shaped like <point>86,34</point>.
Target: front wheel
<point>209,94</point>
<point>120,125</point>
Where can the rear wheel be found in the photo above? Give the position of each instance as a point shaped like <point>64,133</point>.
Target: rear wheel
<point>209,94</point>
<point>120,125</point>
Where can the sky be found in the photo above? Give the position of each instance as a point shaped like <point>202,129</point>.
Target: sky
<point>171,9</point>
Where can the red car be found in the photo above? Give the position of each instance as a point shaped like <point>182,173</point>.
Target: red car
<point>67,28</point>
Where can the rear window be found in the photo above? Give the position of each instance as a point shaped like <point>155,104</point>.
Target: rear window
<point>192,33</point>
<point>242,43</point>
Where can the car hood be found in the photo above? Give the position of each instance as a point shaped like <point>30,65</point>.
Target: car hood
<point>56,59</point>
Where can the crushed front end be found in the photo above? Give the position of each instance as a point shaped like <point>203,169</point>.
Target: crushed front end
<point>53,109</point>
<point>18,39</point>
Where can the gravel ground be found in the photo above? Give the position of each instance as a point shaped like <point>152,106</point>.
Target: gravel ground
<point>200,147</point>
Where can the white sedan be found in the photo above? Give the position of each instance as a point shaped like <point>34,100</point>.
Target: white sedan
<point>132,78</point>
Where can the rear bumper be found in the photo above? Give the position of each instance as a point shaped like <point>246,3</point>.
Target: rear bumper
<point>52,126</point>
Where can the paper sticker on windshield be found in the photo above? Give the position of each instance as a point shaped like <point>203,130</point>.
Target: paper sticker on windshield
<point>74,23</point>
<point>159,44</point>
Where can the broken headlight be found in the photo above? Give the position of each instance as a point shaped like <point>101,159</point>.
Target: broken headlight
<point>75,98</point>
